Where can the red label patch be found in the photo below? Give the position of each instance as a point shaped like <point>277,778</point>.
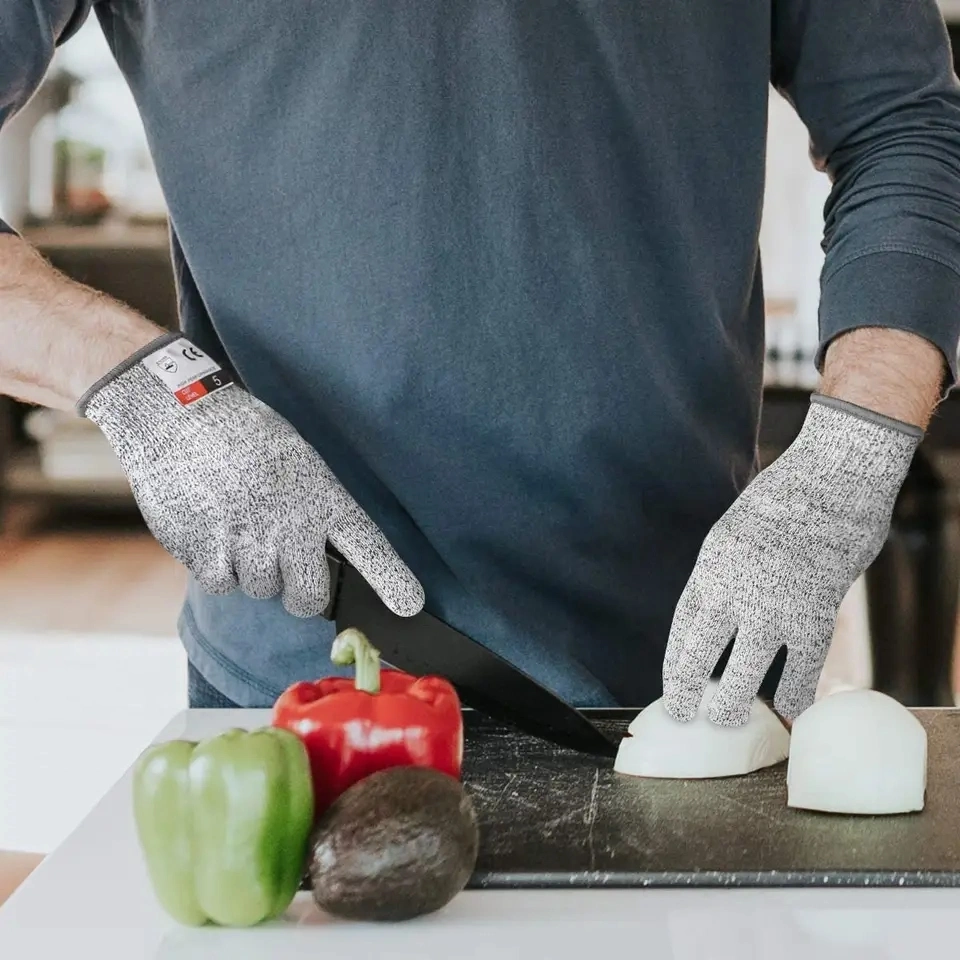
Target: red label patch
<point>191,392</point>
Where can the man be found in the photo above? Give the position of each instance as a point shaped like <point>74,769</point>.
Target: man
<point>487,272</point>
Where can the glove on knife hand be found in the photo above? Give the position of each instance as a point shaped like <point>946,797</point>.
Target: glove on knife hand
<point>231,489</point>
<point>775,567</point>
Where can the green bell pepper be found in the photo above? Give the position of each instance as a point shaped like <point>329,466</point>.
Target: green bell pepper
<point>223,824</point>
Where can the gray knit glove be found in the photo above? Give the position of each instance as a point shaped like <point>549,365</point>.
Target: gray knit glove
<point>230,489</point>
<point>775,567</point>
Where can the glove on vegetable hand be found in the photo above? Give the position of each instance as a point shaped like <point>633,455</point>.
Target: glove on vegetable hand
<point>231,489</point>
<point>775,567</point>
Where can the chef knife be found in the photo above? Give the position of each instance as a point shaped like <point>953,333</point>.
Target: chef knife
<point>424,644</point>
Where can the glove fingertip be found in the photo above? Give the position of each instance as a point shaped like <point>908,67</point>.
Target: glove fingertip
<point>303,606</point>
<point>217,585</point>
<point>681,705</point>
<point>725,714</point>
<point>792,704</point>
<point>407,602</point>
<point>304,611</point>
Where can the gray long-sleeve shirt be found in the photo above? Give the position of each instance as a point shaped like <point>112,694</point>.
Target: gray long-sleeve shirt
<point>497,261</point>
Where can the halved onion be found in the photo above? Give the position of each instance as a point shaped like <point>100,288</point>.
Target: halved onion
<point>659,746</point>
<point>858,752</point>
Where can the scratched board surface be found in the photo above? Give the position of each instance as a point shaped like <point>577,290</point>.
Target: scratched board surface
<point>550,817</point>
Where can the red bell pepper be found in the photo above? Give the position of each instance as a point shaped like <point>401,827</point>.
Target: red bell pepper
<point>381,719</point>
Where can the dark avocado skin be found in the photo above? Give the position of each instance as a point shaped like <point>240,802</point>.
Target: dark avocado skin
<point>399,844</point>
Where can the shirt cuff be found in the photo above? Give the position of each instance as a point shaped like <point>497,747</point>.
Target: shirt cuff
<point>898,290</point>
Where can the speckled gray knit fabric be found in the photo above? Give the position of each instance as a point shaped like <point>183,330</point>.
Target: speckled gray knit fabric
<point>232,491</point>
<point>774,569</point>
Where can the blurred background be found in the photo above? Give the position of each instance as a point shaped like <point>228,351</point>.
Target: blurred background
<point>90,666</point>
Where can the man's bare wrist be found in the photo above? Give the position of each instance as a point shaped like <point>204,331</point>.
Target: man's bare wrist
<point>892,372</point>
<point>57,336</point>
<point>117,333</point>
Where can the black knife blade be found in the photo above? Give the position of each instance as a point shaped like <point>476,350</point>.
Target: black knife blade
<point>424,644</point>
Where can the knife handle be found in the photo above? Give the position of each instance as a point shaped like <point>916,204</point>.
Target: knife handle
<point>335,564</point>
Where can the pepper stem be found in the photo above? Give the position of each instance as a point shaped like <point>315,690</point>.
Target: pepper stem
<point>352,646</point>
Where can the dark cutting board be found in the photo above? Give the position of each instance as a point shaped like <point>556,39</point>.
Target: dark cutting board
<point>554,818</point>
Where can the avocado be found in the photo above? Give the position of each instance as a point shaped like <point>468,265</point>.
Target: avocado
<point>399,844</point>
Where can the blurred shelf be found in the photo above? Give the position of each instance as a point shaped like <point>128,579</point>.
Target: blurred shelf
<point>108,236</point>
<point>950,10</point>
<point>24,478</point>
<point>131,263</point>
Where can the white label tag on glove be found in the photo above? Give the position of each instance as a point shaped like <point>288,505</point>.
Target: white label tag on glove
<point>186,371</point>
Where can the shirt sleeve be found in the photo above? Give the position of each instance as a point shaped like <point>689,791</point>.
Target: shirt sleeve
<point>874,83</point>
<point>30,31</point>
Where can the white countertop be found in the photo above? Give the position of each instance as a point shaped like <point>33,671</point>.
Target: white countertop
<point>91,899</point>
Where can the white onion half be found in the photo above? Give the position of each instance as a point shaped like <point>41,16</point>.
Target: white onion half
<point>659,746</point>
<point>858,752</point>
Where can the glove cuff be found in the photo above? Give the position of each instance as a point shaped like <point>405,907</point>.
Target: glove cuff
<point>123,367</point>
<point>855,449</point>
<point>871,416</point>
<point>158,395</point>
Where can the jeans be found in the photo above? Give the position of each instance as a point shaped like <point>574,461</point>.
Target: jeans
<point>201,694</point>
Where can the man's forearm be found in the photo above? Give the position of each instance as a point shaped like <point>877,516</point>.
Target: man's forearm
<point>892,372</point>
<point>57,337</point>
